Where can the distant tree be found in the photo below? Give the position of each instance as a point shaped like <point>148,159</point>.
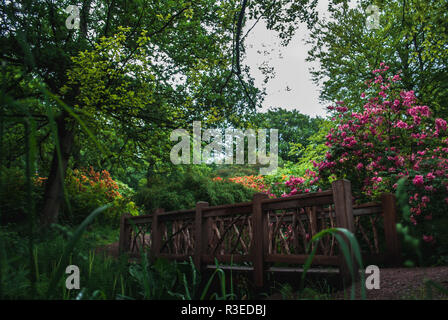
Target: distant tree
<point>412,39</point>
<point>294,129</point>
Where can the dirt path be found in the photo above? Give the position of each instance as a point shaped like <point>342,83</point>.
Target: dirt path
<point>404,283</point>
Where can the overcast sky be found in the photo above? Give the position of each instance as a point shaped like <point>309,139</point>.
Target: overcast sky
<point>292,87</point>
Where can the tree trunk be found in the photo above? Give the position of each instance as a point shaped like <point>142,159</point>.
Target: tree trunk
<point>54,196</point>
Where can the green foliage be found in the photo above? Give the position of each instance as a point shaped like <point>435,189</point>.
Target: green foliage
<point>69,248</point>
<point>98,271</point>
<point>313,150</point>
<point>412,38</point>
<point>102,277</point>
<point>13,194</point>
<point>186,186</point>
<point>294,129</point>
<point>155,280</point>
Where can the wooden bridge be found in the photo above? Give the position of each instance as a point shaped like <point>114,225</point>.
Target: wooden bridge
<point>263,232</point>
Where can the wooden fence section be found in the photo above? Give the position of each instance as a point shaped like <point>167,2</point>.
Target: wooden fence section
<point>266,231</point>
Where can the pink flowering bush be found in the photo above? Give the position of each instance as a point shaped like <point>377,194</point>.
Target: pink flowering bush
<point>295,185</point>
<point>393,137</point>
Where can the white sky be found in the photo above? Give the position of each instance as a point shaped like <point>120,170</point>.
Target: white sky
<point>292,87</point>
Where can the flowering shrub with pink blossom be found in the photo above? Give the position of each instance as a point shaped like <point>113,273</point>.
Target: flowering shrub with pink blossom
<point>295,185</point>
<point>393,137</point>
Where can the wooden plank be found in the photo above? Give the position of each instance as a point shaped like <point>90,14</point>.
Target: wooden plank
<point>312,195</point>
<point>300,270</point>
<point>374,258</point>
<point>177,217</point>
<point>177,257</point>
<point>226,258</point>
<point>267,239</point>
<point>239,205</point>
<point>198,242</point>
<point>178,212</point>
<point>228,268</point>
<point>342,195</point>
<point>367,211</point>
<point>156,234</point>
<point>208,229</point>
<point>205,230</point>
<point>273,269</point>
<point>140,219</point>
<point>313,220</point>
<point>301,259</point>
<point>123,244</point>
<point>393,255</point>
<point>223,212</point>
<point>367,205</point>
<point>258,238</point>
<point>298,203</point>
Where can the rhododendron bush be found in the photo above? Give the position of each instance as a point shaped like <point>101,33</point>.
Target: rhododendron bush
<point>394,137</point>
<point>293,185</point>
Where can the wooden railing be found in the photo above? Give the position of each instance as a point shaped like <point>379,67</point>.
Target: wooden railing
<point>266,231</point>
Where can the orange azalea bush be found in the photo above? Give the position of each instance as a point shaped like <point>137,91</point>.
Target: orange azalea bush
<point>89,189</point>
<point>84,179</point>
<point>251,182</point>
<point>39,181</point>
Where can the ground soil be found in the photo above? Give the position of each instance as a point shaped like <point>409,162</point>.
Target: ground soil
<point>404,283</point>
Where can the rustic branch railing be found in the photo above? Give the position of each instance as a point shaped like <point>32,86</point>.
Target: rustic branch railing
<point>267,231</point>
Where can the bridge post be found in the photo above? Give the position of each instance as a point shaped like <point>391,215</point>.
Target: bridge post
<point>156,235</point>
<point>342,196</point>
<point>125,234</point>
<point>200,239</point>
<point>258,238</point>
<point>393,256</point>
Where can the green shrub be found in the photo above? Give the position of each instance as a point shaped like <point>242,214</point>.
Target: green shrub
<point>13,194</point>
<point>182,190</point>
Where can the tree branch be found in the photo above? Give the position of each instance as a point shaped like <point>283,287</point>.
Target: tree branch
<point>169,22</point>
<point>238,36</point>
